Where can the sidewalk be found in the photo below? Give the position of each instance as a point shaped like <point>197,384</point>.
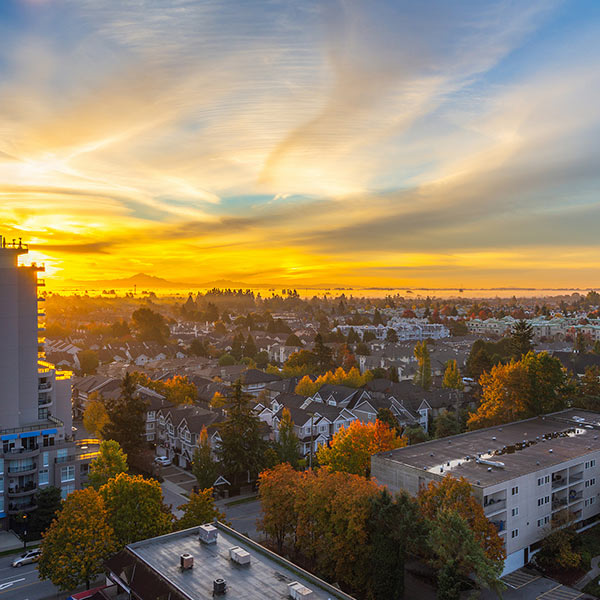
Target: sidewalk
<point>9,541</point>
<point>593,573</point>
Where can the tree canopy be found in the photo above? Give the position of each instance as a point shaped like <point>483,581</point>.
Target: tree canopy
<point>150,326</point>
<point>108,464</point>
<point>199,509</point>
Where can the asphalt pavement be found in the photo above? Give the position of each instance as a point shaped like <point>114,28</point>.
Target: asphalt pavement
<point>22,583</point>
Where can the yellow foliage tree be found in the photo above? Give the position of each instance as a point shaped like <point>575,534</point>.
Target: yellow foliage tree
<point>95,416</point>
<point>199,509</point>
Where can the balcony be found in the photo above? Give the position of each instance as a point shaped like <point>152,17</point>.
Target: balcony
<point>494,506</point>
<point>576,477</point>
<point>44,387</point>
<point>22,469</point>
<point>15,509</point>
<point>559,503</point>
<point>558,482</point>
<point>22,452</point>
<point>500,525</point>
<point>575,496</point>
<point>18,491</point>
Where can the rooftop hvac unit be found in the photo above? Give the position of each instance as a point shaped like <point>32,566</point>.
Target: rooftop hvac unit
<point>297,591</point>
<point>186,561</point>
<point>208,534</point>
<point>239,555</point>
<point>219,587</point>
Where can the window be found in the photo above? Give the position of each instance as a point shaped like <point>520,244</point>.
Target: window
<point>515,490</point>
<point>593,481</point>
<point>544,500</point>
<point>45,458</point>
<point>1,504</point>
<point>43,477</point>
<point>514,533</point>
<point>593,463</point>
<point>540,522</point>
<point>540,481</point>
<point>515,511</point>
<point>1,466</point>
<point>65,490</point>
<point>61,455</point>
<point>547,479</point>
<point>151,415</point>
<point>592,500</point>
<point>587,465</point>
<point>67,473</point>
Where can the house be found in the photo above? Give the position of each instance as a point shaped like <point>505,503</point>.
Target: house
<point>254,381</point>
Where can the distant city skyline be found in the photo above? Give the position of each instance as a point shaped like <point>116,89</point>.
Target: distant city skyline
<point>392,144</point>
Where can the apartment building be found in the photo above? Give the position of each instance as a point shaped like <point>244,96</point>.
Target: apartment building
<point>530,476</point>
<point>37,446</point>
<point>406,329</point>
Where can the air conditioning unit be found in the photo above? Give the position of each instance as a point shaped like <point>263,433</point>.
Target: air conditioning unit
<point>186,561</point>
<point>297,591</point>
<point>208,534</point>
<point>239,555</point>
<point>219,587</point>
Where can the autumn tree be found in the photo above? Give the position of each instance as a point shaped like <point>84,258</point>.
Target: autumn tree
<point>179,390</point>
<point>351,448</point>
<point>521,338</point>
<point>135,508</point>
<point>306,387</point>
<point>452,377</point>
<point>127,419</point>
<point>95,416</point>
<point>423,374</point>
<point>277,490</point>
<point>108,464</point>
<point>204,467</point>
<point>241,451</point>
<point>287,445</point>
<point>78,542</point>
<point>199,509</point>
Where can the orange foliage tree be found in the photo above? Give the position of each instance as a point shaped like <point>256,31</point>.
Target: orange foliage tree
<point>452,494</point>
<point>351,448</point>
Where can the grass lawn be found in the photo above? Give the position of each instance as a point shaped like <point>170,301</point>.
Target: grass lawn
<point>242,501</point>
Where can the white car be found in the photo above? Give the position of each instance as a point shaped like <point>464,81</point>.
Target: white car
<point>164,461</point>
<point>30,556</point>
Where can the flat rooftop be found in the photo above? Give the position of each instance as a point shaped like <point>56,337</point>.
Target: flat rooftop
<point>506,451</point>
<point>267,576</point>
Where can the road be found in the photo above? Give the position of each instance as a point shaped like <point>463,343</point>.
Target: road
<point>23,583</point>
<point>242,516</point>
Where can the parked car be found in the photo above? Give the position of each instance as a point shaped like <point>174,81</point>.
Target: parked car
<point>164,461</point>
<point>30,556</point>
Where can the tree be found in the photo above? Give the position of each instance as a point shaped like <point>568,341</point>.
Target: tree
<point>88,362</point>
<point>198,347</point>
<point>237,346</point>
<point>250,349</point>
<point>322,353</point>
<point>580,345</point>
<point>108,464</point>
<point>306,387</point>
<point>423,374</point>
<point>385,415</point>
<point>391,336</point>
<point>150,326</point>
<point>533,386</point>
<point>288,440</point>
<point>120,329</point>
<point>415,434</point>
<point>199,509</point>
<point>262,359</point>
<point>452,377</point>
<point>78,542</point>
<point>445,424</point>
<point>48,503</point>
<point>127,419</point>
<point>588,389</point>
<point>95,416</point>
<point>204,467</point>
<point>479,362</point>
<point>351,448</point>
<point>521,338</point>
<point>179,390</point>
<point>377,320</point>
<point>277,490</point>
<point>135,508</point>
<point>558,551</point>
<point>395,528</point>
<point>293,340</point>
<point>242,448</point>
<point>226,360</point>
<point>452,494</point>
<point>301,363</point>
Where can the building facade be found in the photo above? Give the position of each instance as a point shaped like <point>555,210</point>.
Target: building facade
<point>37,446</point>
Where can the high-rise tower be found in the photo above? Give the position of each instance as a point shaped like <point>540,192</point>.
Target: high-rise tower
<point>36,437</point>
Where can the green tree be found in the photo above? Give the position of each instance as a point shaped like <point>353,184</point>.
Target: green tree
<point>108,464</point>
<point>127,419</point>
<point>150,326</point>
<point>88,362</point>
<point>445,424</point>
<point>237,346</point>
<point>452,377</point>
<point>385,415</point>
<point>423,374</point>
<point>521,338</point>
<point>199,509</point>
<point>580,345</point>
<point>241,451</point>
<point>78,542</point>
<point>323,354</point>
<point>226,360</point>
<point>588,389</point>
<point>204,467</point>
<point>377,320</point>
<point>391,336</point>
<point>293,340</point>
<point>198,347</point>
<point>262,359</point>
<point>479,360</point>
<point>288,441</point>
<point>135,508</point>
<point>49,503</point>
<point>395,528</point>
<point>250,349</point>
<point>120,329</point>
<point>415,434</point>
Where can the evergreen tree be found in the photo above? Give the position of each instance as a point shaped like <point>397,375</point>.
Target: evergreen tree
<point>322,353</point>
<point>204,467</point>
<point>377,320</point>
<point>423,374</point>
<point>242,448</point>
<point>521,339</point>
<point>237,346</point>
<point>250,349</point>
<point>288,440</point>
<point>127,419</point>
<point>391,336</point>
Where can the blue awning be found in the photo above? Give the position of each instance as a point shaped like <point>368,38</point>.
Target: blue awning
<point>29,434</point>
<point>10,436</point>
<point>49,431</point>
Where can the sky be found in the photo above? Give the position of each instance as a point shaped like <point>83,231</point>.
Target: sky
<point>330,142</point>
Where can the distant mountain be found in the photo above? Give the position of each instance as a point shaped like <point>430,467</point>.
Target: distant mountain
<point>141,280</point>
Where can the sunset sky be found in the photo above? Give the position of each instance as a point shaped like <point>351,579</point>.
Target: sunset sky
<point>341,142</point>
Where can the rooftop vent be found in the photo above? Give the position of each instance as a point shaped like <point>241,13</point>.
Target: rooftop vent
<point>550,450</point>
<point>239,555</point>
<point>489,468</point>
<point>186,561</point>
<point>494,438</point>
<point>297,591</point>
<point>208,534</point>
<point>219,586</point>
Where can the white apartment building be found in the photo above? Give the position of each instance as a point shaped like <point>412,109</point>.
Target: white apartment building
<point>36,441</point>
<point>528,475</point>
<point>406,329</point>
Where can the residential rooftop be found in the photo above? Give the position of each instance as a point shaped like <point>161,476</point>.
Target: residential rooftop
<point>267,576</point>
<point>496,454</point>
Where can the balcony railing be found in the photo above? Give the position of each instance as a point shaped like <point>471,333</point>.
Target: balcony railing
<point>575,477</point>
<point>559,482</point>
<point>14,509</point>
<point>494,505</point>
<point>22,468</point>
<point>44,386</point>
